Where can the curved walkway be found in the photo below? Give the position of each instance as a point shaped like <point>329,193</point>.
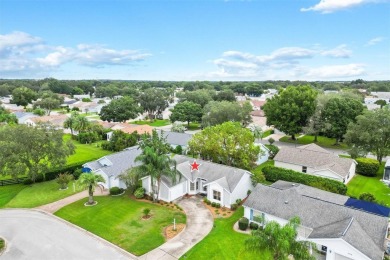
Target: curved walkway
<point>199,224</point>
<point>32,234</point>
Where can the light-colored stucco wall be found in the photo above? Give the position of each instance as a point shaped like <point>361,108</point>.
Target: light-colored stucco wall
<point>338,246</point>
<point>241,190</point>
<point>214,186</point>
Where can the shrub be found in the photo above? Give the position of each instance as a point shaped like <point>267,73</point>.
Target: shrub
<point>273,150</point>
<point>243,223</point>
<point>213,204</point>
<point>2,244</point>
<point>115,191</point>
<point>146,212</point>
<point>63,180</point>
<point>39,112</point>
<point>234,206</point>
<point>208,202</point>
<point>140,193</point>
<point>217,205</point>
<point>367,166</point>
<point>273,174</point>
<point>248,192</point>
<point>238,201</point>
<point>253,226</point>
<point>271,140</point>
<point>28,181</point>
<point>367,197</point>
<point>178,150</point>
<point>77,173</point>
<point>88,137</point>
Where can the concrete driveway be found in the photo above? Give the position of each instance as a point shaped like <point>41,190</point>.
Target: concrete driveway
<point>33,235</point>
<point>199,224</point>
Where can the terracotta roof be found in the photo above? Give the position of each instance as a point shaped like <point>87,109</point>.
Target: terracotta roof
<point>57,120</point>
<point>258,103</point>
<point>130,128</point>
<point>257,113</point>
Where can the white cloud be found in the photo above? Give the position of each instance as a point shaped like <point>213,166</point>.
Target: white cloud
<point>340,51</point>
<point>335,71</point>
<point>22,52</point>
<point>374,41</point>
<point>330,6</point>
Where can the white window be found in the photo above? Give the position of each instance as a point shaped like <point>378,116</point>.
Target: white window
<point>197,185</point>
<point>217,195</point>
<point>192,186</point>
<point>304,169</point>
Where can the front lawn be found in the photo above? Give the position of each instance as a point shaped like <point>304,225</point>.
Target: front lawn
<point>309,139</point>
<point>259,168</point>
<point>225,243</point>
<point>118,220</point>
<point>360,184</point>
<point>268,133</point>
<point>156,123</point>
<point>25,196</point>
<point>85,152</point>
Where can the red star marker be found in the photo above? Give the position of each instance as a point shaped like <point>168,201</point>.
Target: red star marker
<point>194,166</point>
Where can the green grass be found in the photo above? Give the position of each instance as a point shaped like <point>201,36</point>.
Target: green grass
<point>193,126</point>
<point>267,133</point>
<point>118,220</point>
<point>2,244</point>
<point>23,196</point>
<point>259,168</point>
<point>225,243</point>
<point>157,122</point>
<point>322,141</point>
<point>360,184</point>
<point>7,193</point>
<point>85,152</point>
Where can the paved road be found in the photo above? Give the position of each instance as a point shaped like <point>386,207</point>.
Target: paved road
<point>34,235</point>
<point>199,224</point>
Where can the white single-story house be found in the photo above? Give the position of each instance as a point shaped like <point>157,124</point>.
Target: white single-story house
<point>339,231</point>
<point>220,183</point>
<point>314,160</point>
<point>264,154</point>
<point>23,116</point>
<point>175,139</point>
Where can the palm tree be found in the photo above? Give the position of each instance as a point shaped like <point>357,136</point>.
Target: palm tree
<point>82,124</point>
<point>257,132</point>
<point>71,121</point>
<point>156,162</point>
<point>90,181</point>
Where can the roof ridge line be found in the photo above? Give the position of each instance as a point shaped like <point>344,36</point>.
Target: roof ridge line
<point>349,225</point>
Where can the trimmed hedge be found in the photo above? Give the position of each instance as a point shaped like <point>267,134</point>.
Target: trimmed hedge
<point>273,174</point>
<point>253,226</point>
<point>116,191</point>
<point>243,223</point>
<point>367,166</point>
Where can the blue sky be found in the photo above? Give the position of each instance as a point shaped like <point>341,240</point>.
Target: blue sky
<point>196,40</point>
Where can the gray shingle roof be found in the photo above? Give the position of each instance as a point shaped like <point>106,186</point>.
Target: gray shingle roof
<point>228,177</point>
<point>315,157</point>
<point>121,162</point>
<point>174,138</point>
<point>327,219</point>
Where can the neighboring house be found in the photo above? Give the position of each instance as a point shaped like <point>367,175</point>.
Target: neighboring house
<point>23,116</point>
<point>80,97</point>
<point>263,157</point>
<point>220,183</point>
<point>126,128</point>
<point>87,107</point>
<point>386,172</point>
<point>339,231</point>
<point>56,120</point>
<point>314,160</point>
<point>176,139</point>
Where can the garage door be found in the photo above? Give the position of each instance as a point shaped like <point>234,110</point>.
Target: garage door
<point>340,257</point>
<point>178,190</point>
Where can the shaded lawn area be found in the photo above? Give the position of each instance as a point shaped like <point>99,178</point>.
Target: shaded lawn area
<point>360,184</point>
<point>85,152</point>
<point>157,122</point>
<point>7,193</point>
<point>118,220</point>
<point>225,243</point>
<point>267,133</point>
<point>26,196</point>
<point>193,126</point>
<point>258,169</point>
<point>309,139</point>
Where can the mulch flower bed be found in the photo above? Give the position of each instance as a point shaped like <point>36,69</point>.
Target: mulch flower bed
<point>170,233</point>
<point>219,213</point>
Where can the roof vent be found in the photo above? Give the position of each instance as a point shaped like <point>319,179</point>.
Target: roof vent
<point>286,202</point>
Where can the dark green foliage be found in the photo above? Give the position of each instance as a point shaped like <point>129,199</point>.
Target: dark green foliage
<point>116,191</point>
<point>88,137</point>
<point>217,205</point>
<point>243,223</point>
<point>367,166</point>
<point>238,201</point>
<point>7,117</point>
<point>273,150</point>
<point>275,173</point>
<point>178,150</point>
<point>253,226</point>
<point>234,206</point>
<point>23,96</point>
<point>139,193</point>
<point>186,112</point>
<point>213,204</point>
<point>28,182</point>
<point>120,110</point>
<point>77,172</point>
<point>367,197</point>
<point>120,141</point>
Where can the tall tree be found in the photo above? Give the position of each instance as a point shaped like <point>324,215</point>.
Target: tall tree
<point>23,96</point>
<point>120,110</point>
<point>71,122</point>
<point>291,109</point>
<point>200,96</point>
<point>227,95</point>
<point>316,123</point>
<point>32,150</point>
<point>154,101</point>
<point>81,124</point>
<point>90,181</point>
<point>280,240</point>
<point>49,101</point>
<point>7,117</point>
<point>186,111</point>
<point>338,112</point>
<point>371,132</point>
<point>156,161</point>
<point>215,113</point>
<point>381,102</point>
<point>228,143</point>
